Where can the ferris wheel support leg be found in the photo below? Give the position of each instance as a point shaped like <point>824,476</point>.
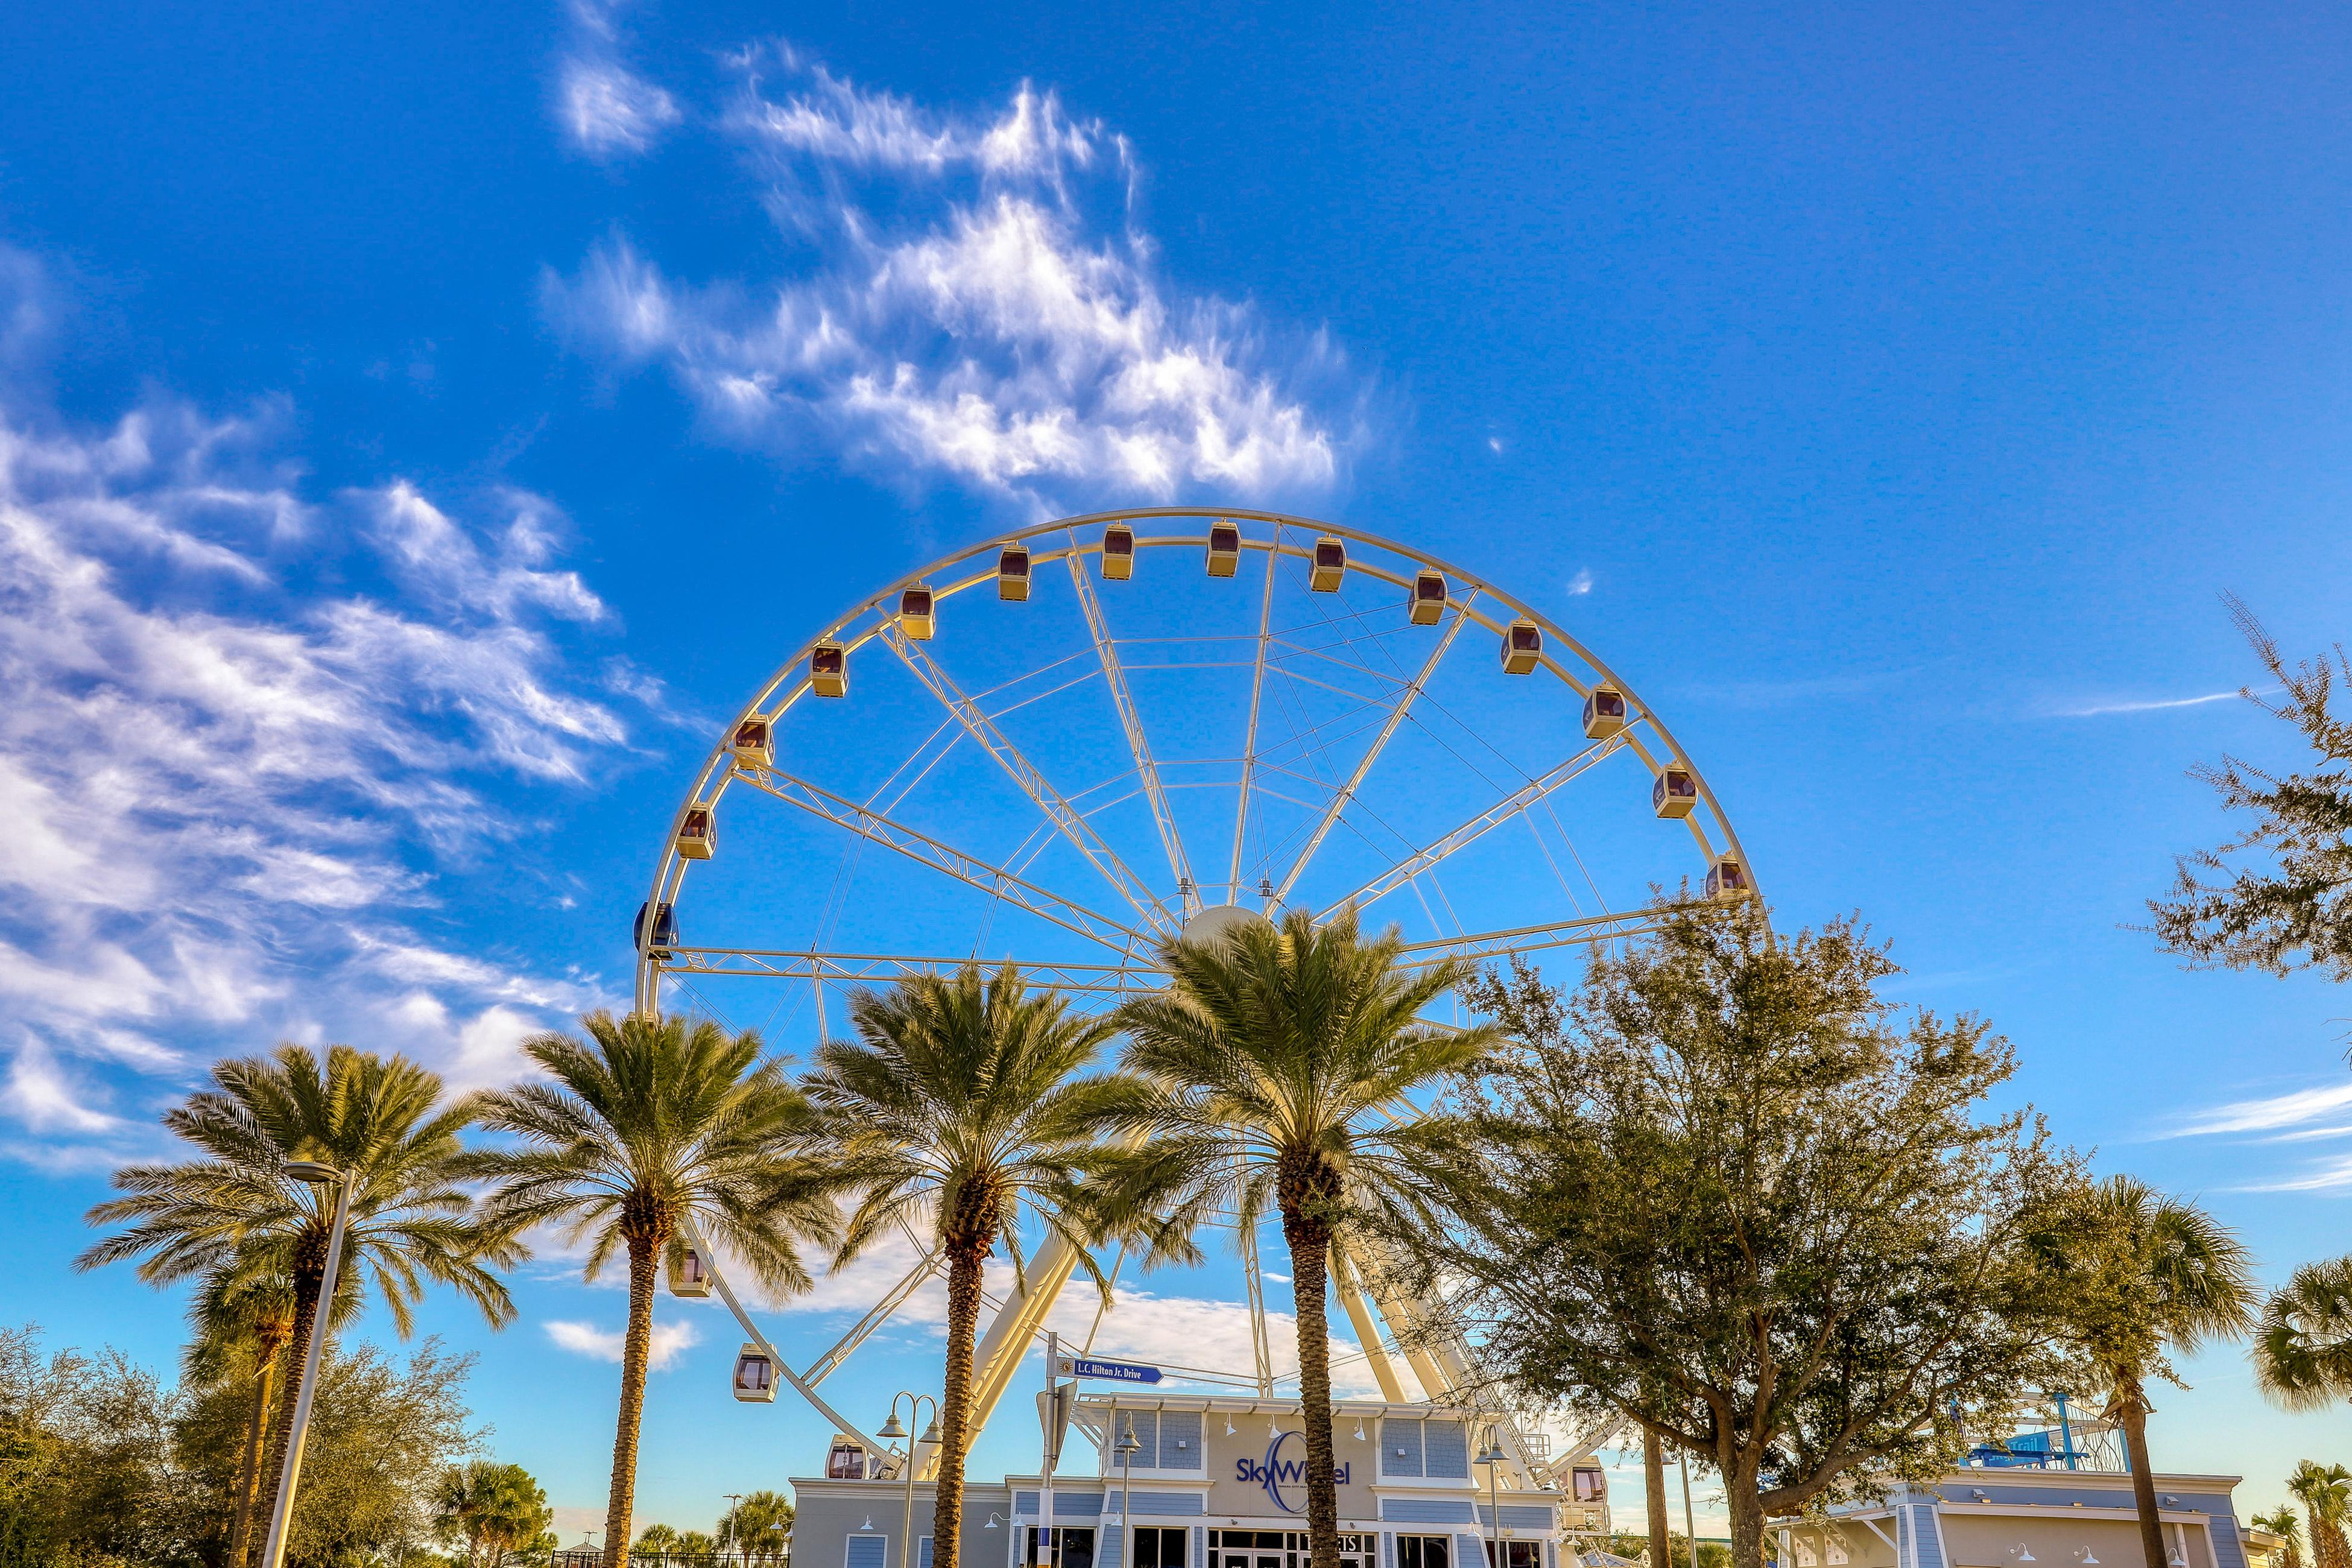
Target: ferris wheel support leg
<point>1367,1333</point>
<point>1412,1338</point>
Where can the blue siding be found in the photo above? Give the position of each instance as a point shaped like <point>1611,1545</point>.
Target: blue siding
<point>1199,1546</point>
<point>1449,1451</point>
<point>1145,1424</point>
<point>1400,1448</point>
<point>1166,1503</point>
<point>1106,1548</point>
<point>1469,1551</point>
<point>867,1551</point>
<point>1517,1516</point>
<point>1180,1442</point>
<point>1430,1510</point>
<point>1066,1505</point>
<point>1927,1550</point>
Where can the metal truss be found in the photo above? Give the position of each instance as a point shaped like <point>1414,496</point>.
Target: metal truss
<point>881,969</point>
<point>971,870</point>
<point>1066,819</point>
<point>1114,677</point>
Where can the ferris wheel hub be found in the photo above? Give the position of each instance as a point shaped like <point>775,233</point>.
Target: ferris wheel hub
<point>1219,922</point>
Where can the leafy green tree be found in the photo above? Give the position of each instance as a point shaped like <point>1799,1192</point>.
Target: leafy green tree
<point>759,1527</point>
<point>2325,1494</point>
<point>657,1538</point>
<point>492,1512</point>
<point>2282,1523</point>
<point>1273,1063</point>
<point>645,1124</point>
<point>233,1217</point>
<point>962,1105</point>
<point>2303,1348</point>
<point>2139,1273</point>
<point>1721,1190</point>
<point>2278,897</point>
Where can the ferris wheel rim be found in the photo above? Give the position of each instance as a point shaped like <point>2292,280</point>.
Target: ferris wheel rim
<point>711,780</point>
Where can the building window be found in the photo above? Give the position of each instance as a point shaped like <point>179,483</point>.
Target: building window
<point>1071,1547</point>
<point>1423,1551</point>
<point>1517,1554</point>
<point>1156,1546</point>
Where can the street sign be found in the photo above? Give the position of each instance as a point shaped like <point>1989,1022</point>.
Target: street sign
<point>1115,1371</point>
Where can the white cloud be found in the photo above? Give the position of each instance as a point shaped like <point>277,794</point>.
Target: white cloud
<point>1582,584</point>
<point>227,781</point>
<point>2157,705</point>
<point>669,1340</point>
<point>609,110</point>
<point>970,311</point>
<point>2267,1115</point>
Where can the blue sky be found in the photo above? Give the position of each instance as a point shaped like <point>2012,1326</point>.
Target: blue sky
<point>398,402</point>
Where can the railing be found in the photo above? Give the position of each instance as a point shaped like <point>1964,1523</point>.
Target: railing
<point>593,1557</point>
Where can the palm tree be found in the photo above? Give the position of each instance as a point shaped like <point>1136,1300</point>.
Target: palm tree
<point>2303,1350</point>
<point>962,1105</point>
<point>1273,1059</point>
<point>241,1326</point>
<point>760,1527</point>
<point>650,1123</point>
<point>2325,1494</point>
<point>658,1538</point>
<point>2140,1273</point>
<point>2282,1523</point>
<point>234,1218</point>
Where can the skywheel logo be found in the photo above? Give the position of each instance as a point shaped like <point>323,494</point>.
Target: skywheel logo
<point>1274,1473</point>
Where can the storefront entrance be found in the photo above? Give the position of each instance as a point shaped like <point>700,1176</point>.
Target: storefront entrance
<point>1282,1549</point>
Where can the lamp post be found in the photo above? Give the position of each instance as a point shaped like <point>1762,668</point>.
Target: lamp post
<point>735,1524</point>
<point>1491,1457</point>
<point>1690,1524</point>
<point>891,1428</point>
<point>281,1520</point>
<point>1127,1447</point>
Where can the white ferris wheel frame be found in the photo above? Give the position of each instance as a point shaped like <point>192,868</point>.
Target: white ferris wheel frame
<point>1437,1357</point>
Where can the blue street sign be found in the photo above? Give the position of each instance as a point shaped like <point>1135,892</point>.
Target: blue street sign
<point>1115,1371</point>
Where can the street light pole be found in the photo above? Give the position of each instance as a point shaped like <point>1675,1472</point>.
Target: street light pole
<point>891,1428</point>
<point>1127,1447</point>
<point>1690,1525</point>
<point>735,1522</point>
<point>1491,1457</point>
<point>281,1520</point>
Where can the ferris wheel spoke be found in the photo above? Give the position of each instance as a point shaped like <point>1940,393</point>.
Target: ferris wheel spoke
<point>1397,711</point>
<point>1477,827</point>
<point>921,848</point>
<point>1066,819</point>
<point>1257,702</point>
<point>1115,676</point>
<point>817,966</point>
<point>1574,932</point>
<point>879,1314</point>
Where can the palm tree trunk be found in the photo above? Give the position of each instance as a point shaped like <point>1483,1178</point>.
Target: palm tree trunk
<point>955,1409</point>
<point>1308,1238</point>
<point>249,1469</point>
<point>2134,1410</point>
<point>1654,1496</point>
<point>309,1277</point>
<point>636,1350</point>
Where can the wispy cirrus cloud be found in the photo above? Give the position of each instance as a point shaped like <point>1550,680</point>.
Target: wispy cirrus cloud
<point>229,780</point>
<point>2299,1116</point>
<point>2149,705</point>
<point>609,110</point>
<point>979,307</point>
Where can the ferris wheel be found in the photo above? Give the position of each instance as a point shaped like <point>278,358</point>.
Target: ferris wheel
<point>1070,744</point>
